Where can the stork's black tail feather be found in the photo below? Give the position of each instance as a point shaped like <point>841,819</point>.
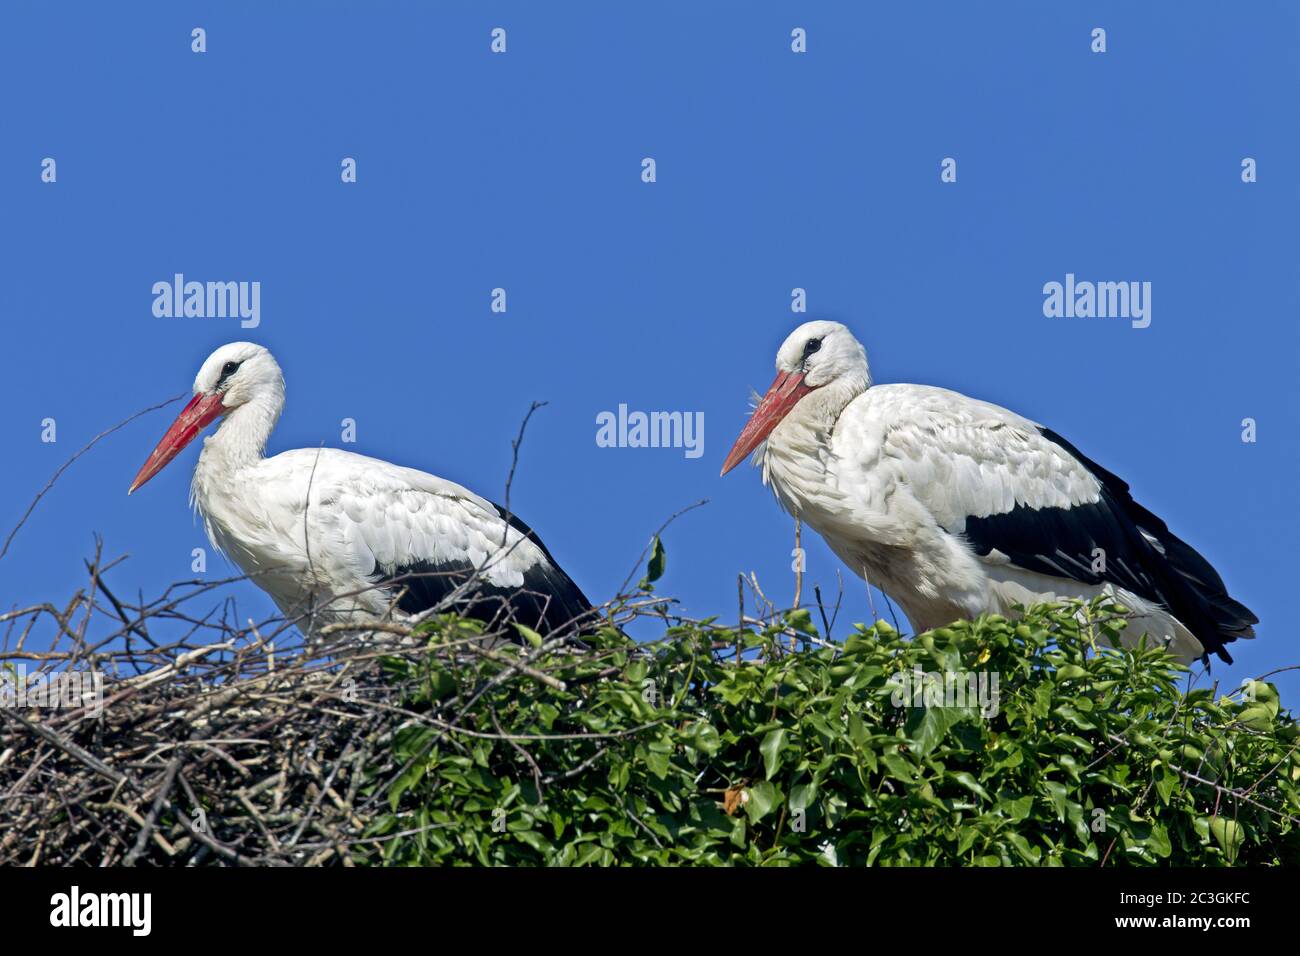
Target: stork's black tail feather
<point>1190,588</point>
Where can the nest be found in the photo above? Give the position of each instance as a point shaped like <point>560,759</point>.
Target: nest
<point>216,748</point>
<point>212,757</point>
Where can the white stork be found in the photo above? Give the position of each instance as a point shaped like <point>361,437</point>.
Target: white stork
<point>955,507</point>
<point>335,536</point>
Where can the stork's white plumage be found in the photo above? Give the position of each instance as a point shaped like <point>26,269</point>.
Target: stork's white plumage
<point>955,507</point>
<point>335,536</point>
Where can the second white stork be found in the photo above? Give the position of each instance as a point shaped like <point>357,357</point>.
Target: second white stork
<point>335,536</point>
<point>955,507</point>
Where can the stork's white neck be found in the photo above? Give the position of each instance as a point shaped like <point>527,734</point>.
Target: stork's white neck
<point>797,452</point>
<point>241,438</point>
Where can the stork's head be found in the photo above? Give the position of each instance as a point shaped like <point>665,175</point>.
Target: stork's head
<point>233,375</point>
<point>813,356</point>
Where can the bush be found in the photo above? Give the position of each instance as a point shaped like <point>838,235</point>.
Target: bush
<point>674,753</point>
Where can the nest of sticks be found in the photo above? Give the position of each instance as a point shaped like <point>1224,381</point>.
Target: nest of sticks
<point>229,745</point>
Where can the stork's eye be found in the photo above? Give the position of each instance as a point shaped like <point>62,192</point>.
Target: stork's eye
<point>227,370</point>
<point>812,346</point>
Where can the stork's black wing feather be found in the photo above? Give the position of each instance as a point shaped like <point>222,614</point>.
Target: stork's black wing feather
<point>1139,554</point>
<point>547,601</point>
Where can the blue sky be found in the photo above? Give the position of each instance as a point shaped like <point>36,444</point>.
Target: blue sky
<point>775,170</point>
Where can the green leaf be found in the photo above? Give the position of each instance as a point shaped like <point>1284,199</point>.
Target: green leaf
<point>657,764</point>
<point>859,643</point>
<point>1257,716</point>
<point>800,619</point>
<point>529,635</point>
<point>441,685</point>
<point>926,727</point>
<point>655,567</point>
<point>1229,834</point>
<point>409,778</point>
<point>703,736</point>
<point>771,748</point>
<point>762,797</point>
<point>1262,692</point>
<point>971,784</point>
<point>1018,809</point>
<point>1030,855</point>
<point>1072,715</point>
<point>802,796</point>
<point>1159,841</point>
<point>899,768</point>
<point>966,839</point>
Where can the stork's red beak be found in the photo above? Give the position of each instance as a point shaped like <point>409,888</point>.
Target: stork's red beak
<point>194,417</point>
<point>784,394</point>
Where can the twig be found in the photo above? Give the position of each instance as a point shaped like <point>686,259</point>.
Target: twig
<point>147,829</point>
<point>64,467</point>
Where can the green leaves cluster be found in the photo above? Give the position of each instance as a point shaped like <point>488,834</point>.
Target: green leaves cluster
<point>672,753</point>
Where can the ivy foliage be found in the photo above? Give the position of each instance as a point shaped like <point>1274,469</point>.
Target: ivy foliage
<point>671,753</point>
